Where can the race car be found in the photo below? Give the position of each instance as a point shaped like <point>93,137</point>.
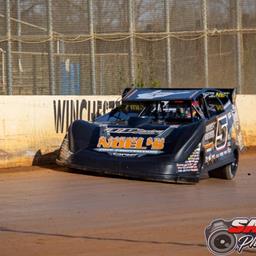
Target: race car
<point>168,135</point>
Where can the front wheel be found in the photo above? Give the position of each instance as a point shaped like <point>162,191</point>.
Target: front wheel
<point>227,172</point>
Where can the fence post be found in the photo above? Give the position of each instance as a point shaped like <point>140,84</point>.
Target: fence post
<point>206,60</point>
<point>19,42</point>
<point>9,48</point>
<point>34,63</point>
<point>18,26</point>
<point>168,44</point>
<point>102,75</point>
<point>92,47</point>
<point>132,60</point>
<point>51,49</point>
<point>2,52</point>
<point>240,48</point>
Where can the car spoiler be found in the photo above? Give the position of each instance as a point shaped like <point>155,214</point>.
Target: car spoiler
<point>126,91</point>
<point>220,92</point>
<point>228,92</point>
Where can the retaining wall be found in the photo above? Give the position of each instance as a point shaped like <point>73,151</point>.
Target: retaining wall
<point>32,127</point>
<point>246,105</point>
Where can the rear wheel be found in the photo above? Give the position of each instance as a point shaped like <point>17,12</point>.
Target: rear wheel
<point>227,172</point>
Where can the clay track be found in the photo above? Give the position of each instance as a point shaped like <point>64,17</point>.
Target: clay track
<point>52,212</point>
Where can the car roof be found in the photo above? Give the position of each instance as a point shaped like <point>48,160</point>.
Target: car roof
<point>158,94</point>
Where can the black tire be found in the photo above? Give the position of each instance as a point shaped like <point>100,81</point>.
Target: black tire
<point>227,172</point>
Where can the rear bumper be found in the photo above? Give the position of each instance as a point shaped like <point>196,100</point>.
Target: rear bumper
<point>156,168</point>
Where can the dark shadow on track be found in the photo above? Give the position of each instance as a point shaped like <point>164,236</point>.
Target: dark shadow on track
<point>45,159</point>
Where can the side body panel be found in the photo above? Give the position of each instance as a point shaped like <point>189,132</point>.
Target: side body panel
<point>218,141</point>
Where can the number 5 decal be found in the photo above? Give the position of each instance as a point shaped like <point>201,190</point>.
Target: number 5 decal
<point>221,137</point>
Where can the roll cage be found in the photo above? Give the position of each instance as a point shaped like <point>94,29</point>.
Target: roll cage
<point>170,105</point>
<point>165,112</point>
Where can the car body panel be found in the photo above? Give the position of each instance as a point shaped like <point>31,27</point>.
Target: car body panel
<point>171,135</point>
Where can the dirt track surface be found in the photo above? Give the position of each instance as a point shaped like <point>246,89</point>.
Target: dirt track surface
<point>49,212</point>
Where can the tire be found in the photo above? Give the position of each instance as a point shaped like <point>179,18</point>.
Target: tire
<point>227,172</point>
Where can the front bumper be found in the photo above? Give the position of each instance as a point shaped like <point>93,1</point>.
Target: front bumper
<point>155,168</point>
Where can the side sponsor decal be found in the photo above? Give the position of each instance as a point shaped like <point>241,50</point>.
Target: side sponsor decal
<point>214,156</point>
<point>210,133</point>
<point>118,130</point>
<point>216,133</point>
<point>216,139</point>
<point>221,133</point>
<point>191,164</point>
<point>158,94</point>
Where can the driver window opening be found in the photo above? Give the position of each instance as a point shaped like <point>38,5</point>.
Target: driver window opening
<point>214,105</point>
<point>161,112</point>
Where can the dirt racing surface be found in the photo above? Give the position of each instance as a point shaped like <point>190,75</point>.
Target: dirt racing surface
<point>52,212</point>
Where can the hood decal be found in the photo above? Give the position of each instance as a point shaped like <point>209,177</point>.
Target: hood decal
<point>136,143</point>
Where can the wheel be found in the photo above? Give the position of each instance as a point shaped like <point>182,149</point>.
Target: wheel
<point>227,172</point>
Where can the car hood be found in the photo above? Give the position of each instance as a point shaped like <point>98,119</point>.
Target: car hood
<point>176,140</point>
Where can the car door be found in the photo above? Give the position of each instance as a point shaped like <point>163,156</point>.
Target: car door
<point>216,131</point>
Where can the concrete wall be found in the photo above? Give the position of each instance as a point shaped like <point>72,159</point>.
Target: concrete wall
<point>32,127</point>
<point>246,105</point>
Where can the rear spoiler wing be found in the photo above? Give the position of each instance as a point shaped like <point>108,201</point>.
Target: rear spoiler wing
<point>221,92</point>
<point>126,91</point>
<point>229,92</point>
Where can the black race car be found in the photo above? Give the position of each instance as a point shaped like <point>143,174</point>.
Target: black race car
<point>171,135</point>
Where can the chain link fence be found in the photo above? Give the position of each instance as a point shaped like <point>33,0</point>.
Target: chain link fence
<point>73,47</point>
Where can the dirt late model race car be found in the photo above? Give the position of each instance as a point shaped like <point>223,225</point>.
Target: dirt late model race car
<point>171,135</point>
